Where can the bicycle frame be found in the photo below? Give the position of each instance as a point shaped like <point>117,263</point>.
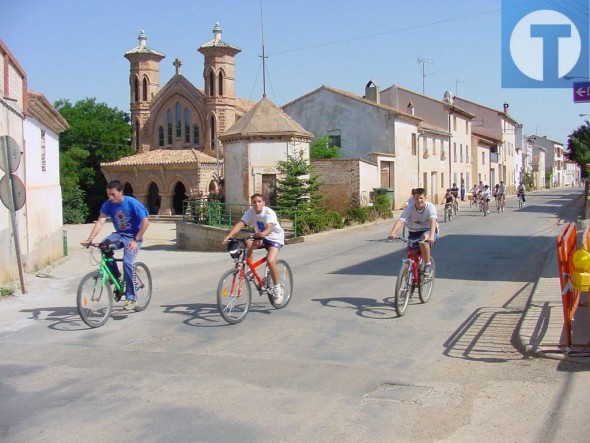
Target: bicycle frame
<point>413,257</point>
<point>248,267</point>
<point>258,281</point>
<point>105,272</point>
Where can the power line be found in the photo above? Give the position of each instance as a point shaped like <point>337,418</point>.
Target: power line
<point>409,28</point>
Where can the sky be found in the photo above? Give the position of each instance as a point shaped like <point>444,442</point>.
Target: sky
<point>73,49</point>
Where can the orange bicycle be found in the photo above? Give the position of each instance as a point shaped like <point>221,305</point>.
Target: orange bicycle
<point>234,293</point>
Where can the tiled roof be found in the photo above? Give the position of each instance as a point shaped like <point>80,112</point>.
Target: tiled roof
<point>163,157</point>
<point>357,98</point>
<point>265,118</point>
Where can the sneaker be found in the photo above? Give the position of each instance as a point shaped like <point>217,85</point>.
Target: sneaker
<point>278,296</point>
<point>428,270</point>
<point>130,305</point>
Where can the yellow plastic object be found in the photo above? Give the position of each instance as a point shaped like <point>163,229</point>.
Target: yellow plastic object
<point>581,260</point>
<point>581,280</point>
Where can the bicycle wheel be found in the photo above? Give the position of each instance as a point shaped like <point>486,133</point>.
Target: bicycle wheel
<point>446,215</point>
<point>286,281</point>
<point>94,300</point>
<point>425,287</point>
<point>233,296</point>
<point>143,286</point>
<point>403,290</point>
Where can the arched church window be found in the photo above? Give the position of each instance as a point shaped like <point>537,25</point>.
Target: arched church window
<point>213,132</point>
<point>211,84</point>
<point>160,136</point>
<point>220,87</point>
<point>196,140</point>
<point>136,90</point>
<point>169,121</point>
<point>136,135</point>
<point>187,125</point>
<point>144,90</point>
<point>178,120</point>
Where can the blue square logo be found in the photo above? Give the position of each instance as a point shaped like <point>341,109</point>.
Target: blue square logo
<point>544,42</point>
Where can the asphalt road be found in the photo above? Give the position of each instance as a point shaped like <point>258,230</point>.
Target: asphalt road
<point>335,365</point>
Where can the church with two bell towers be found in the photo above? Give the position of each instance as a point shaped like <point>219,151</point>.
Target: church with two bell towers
<point>175,129</point>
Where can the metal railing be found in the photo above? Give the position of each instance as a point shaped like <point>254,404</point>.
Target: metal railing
<point>225,215</point>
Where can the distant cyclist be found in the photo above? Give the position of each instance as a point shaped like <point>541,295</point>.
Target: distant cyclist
<point>520,192</point>
<point>486,196</point>
<point>501,195</point>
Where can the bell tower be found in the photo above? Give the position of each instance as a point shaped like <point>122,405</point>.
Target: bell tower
<point>220,81</point>
<point>144,84</point>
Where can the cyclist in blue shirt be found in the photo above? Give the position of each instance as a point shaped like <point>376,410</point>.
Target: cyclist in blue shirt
<point>130,219</point>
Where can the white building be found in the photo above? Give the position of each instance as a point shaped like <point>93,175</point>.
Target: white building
<point>32,125</point>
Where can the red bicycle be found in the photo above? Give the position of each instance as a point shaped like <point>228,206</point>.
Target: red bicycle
<point>234,294</point>
<point>411,276</point>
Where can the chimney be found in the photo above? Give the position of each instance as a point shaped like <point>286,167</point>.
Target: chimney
<point>410,108</point>
<point>372,92</point>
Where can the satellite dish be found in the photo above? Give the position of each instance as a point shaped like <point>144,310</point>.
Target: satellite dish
<point>448,97</point>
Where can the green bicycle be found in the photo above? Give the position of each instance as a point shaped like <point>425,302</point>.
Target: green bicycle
<point>99,289</point>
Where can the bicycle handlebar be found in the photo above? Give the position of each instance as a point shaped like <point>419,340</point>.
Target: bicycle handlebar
<point>405,240</point>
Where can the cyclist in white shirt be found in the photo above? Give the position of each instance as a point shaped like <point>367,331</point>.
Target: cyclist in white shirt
<point>486,195</point>
<point>268,234</point>
<point>421,220</point>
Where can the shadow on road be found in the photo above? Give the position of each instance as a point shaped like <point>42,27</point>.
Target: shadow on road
<point>207,314</point>
<point>365,307</point>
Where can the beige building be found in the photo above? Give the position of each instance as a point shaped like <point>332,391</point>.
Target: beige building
<point>444,136</point>
<point>176,128</point>
<point>492,126</point>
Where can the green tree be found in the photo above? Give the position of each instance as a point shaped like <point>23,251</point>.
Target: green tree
<point>297,189</point>
<point>320,148</point>
<point>578,147</point>
<point>97,134</point>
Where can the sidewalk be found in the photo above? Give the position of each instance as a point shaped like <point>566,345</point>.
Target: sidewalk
<point>541,331</point>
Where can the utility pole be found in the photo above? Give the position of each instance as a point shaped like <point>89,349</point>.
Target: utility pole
<point>424,61</point>
<point>264,57</point>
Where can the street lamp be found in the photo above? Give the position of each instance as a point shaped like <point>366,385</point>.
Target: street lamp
<point>583,115</point>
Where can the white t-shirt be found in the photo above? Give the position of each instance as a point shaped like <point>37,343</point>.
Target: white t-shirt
<point>259,221</point>
<point>486,193</point>
<point>418,220</point>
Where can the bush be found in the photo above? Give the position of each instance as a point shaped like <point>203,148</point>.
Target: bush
<point>75,209</point>
<point>317,221</point>
<point>360,215</point>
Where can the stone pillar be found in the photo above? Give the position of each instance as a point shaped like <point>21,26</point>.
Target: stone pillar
<point>141,198</point>
<point>166,205</point>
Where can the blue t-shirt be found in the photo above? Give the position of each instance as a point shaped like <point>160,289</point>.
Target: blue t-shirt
<point>126,216</point>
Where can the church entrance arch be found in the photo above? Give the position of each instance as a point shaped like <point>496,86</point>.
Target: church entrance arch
<point>128,189</point>
<point>179,197</point>
<point>154,199</point>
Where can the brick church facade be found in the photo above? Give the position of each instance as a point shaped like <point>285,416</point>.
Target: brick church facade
<point>175,129</point>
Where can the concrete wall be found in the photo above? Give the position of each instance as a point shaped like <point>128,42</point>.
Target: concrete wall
<point>193,237</point>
